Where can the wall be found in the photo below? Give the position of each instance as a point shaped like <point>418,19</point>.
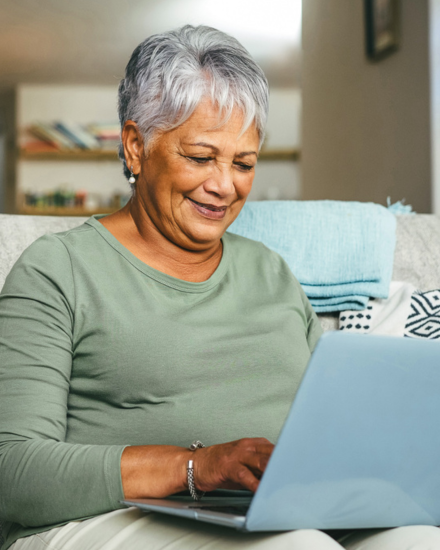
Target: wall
<point>8,151</point>
<point>434,46</point>
<point>82,104</point>
<point>280,179</point>
<point>366,126</point>
<point>2,168</point>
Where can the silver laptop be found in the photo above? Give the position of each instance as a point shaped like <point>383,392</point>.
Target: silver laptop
<point>360,447</point>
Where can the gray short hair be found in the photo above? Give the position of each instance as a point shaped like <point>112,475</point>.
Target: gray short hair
<point>170,73</point>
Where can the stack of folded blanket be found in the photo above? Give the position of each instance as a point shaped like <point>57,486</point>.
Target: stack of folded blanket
<point>341,252</point>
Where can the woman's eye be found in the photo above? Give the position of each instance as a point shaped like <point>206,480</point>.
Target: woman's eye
<point>245,167</point>
<point>200,160</point>
<point>204,160</point>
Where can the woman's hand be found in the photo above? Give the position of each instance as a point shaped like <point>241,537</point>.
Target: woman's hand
<point>157,471</point>
<point>236,465</point>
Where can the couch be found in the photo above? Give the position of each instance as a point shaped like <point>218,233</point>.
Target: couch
<point>416,258</point>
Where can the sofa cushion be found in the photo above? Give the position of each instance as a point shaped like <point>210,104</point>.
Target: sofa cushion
<point>18,232</point>
<point>417,255</point>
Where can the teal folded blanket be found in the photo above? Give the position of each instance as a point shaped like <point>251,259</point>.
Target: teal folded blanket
<point>341,252</point>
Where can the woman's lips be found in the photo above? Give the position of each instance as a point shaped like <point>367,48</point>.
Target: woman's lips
<point>208,210</point>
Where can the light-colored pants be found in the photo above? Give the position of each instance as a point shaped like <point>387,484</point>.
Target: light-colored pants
<point>130,529</point>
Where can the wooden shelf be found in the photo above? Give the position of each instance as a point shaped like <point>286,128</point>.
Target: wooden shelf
<point>280,154</point>
<point>81,155</point>
<point>62,211</point>
<point>86,154</point>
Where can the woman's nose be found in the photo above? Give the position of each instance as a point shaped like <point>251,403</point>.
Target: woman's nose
<point>221,181</point>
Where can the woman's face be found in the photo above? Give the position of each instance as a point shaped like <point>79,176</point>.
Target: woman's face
<point>196,178</point>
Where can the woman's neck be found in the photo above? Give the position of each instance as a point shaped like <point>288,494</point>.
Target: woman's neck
<point>134,230</point>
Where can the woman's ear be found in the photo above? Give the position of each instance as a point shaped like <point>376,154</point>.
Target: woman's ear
<point>133,143</point>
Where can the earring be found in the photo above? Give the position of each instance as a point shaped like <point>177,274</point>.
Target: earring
<point>131,179</point>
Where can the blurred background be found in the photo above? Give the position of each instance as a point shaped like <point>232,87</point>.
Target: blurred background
<point>341,125</point>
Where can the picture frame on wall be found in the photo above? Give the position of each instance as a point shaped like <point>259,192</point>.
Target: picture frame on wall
<point>382,28</point>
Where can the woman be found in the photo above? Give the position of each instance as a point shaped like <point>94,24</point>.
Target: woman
<point>127,338</point>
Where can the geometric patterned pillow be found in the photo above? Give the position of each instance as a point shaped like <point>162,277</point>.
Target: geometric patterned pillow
<point>424,319</point>
<point>406,312</point>
<point>382,316</point>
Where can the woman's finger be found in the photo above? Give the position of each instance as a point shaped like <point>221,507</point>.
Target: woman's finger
<point>256,461</point>
<point>245,479</point>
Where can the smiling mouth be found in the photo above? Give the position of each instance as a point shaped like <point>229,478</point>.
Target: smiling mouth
<point>208,211</point>
<point>209,206</point>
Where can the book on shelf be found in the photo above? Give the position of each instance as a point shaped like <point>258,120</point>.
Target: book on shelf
<point>38,146</point>
<point>79,136</point>
<point>47,132</point>
<point>70,137</point>
<point>105,130</point>
<point>108,134</point>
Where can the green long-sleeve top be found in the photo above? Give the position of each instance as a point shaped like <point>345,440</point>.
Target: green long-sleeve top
<point>99,351</point>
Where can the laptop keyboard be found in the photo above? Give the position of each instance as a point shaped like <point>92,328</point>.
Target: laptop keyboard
<point>232,510</point>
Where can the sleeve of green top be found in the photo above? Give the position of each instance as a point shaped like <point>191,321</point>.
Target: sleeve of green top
<point>43,479</point>
<point>314,329</point>
<point>312,324</point>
